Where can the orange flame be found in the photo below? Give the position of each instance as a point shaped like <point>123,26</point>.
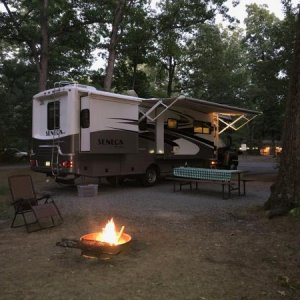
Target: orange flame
<point>109,234</point>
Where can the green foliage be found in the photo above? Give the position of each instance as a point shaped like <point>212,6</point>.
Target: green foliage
<point>18,84</point>
<point>124,78</point>
<point>70,37</point>
<point>268,56</point>
<point>215,67</point>
<point>136,46</point>
<point>175,26</point>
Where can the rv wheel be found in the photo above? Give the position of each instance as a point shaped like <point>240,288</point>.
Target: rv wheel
<point>150,177</point>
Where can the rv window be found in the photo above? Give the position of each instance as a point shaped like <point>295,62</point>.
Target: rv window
<point>143,123</point>
<point>172,123</point>
<point>53,115</point>
<point>85,118</point>
<point>202,127</point>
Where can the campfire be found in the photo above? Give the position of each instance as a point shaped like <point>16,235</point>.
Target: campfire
<point>109,241</point>
<point>109,234</point>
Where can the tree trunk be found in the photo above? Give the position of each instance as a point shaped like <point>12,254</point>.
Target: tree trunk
<point>171,71</point>
<point>285,192</point>
<point>118,16</point>
<point>44,56</point>
<point>134,75</point>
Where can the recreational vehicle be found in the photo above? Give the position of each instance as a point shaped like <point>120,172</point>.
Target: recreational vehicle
<point>81,131</point>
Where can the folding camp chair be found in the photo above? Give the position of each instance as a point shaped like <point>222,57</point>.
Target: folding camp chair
<point>31,207</point>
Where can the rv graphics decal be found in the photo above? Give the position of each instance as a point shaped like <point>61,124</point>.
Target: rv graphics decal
<point>54,132</point>
<point>110,142</point>
<point>125,121</point>
<point>113,141</point>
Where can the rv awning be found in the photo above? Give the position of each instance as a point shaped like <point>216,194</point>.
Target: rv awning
<point>238,117</point>
<point>198,105</point>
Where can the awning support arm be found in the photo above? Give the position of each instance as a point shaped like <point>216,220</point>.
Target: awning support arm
<point>231,125</point>
<point>157,104</point>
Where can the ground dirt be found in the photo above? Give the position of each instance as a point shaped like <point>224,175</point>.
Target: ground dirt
<point>186,245</point>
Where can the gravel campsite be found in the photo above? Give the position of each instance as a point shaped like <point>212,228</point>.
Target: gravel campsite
<point>190,244</point>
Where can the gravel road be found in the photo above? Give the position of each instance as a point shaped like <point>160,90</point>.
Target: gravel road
<point>160,200</point>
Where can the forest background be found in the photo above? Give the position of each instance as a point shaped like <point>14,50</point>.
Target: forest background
<point>175,48</point>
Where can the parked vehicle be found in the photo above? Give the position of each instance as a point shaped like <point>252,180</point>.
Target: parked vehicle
<point>15,154</point>
<point>80,131</point>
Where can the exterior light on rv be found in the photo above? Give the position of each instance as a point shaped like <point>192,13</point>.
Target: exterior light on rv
<point>172,123</point>
<point>213,164</point>
<point>68,164</point>
<point>151,151</point>
<point>160,151</point>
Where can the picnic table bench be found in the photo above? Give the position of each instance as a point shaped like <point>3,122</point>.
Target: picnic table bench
<point>229,179</point>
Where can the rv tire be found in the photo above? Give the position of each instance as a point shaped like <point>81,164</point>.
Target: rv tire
<point>150,177</point>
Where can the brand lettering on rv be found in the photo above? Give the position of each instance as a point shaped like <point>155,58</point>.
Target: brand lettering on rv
<point>111,142</point>
<point>54,132</point>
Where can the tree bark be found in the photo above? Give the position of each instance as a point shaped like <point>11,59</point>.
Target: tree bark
<point>114,37</point>
<point>171,72</point>
<point>285,192</point>
<point>134,75</point>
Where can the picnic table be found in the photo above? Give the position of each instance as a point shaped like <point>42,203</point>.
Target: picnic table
<point>231,180</point>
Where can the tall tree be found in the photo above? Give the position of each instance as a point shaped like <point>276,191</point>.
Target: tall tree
<point>137,43</point>
<point>267,88</point>
<point>285,192</point>
<point>16,20</point>
<point>45,34</point>
<point>176,24</point>
<point>114,39</point>
<point>128,38</point>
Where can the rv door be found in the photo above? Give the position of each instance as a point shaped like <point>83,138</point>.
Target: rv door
<point>85,140</point>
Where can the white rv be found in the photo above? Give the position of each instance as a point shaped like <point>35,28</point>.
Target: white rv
<point>80,131</point>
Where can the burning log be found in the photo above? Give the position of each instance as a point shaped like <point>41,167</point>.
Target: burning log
<point>90,249</point>
<point>78,244</point>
